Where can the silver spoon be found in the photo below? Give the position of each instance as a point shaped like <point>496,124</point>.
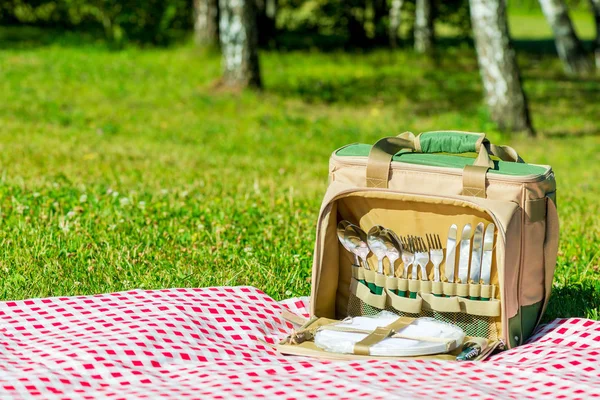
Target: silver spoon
<point>377,245</point>
<point>393,248</point>
<point>357,238</point>
<point>347,245</point>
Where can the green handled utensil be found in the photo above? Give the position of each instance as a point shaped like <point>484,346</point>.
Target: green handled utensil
<point>348,245</point>
<point>376,242</point>
<point>436,256</point>
<point>475,272</point>
<point>465,252</point>
<point>486,261</point>
<point>451,253</point>
<point>394,250</point>
<point>408,258</point>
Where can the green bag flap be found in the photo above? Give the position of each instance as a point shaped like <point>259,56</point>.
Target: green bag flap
<point>447,160</point>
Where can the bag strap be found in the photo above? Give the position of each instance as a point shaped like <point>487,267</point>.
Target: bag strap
<point>550,253</point>
<point>293,318</point>
<point>505,153</point>
<point>457,142</point>
<point>381,154</point>
<point>363,347</point>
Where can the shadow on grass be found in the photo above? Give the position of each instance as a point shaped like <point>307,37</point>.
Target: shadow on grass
<point>543,46</point>
<point>29,37</point>
<point>425,95</point>
<point>574,300</point>
<point>562,134</point>
<point>449,82</point>
<point>424,85</point>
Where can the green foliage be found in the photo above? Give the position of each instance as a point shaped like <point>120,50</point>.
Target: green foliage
<point>456,15</point>
<point>300,23</point>
<point>157,22</point>
<point>535,5</point>
<point>344,22</point>
<point>357,23</point>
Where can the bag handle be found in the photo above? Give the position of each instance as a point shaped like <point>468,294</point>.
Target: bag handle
<point>456,142</point>
<point>462,142</point>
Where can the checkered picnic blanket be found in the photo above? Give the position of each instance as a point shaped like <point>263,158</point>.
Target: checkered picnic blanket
<point>209,343</point>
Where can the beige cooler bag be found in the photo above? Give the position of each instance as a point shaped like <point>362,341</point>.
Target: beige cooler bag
<point>422,185</point>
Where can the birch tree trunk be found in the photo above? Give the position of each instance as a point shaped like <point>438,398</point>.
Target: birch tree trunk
<point>498,66</point>
<point>596,10</point>
<point>424,26</point>
<point>238,31</point>
<point>206,22</point>
<point>395,9</point>
<point>568,45</point>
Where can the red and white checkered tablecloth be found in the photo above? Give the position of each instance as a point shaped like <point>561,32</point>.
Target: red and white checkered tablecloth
<point>206,343</point>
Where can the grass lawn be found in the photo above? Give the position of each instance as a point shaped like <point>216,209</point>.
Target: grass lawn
<point>529,23</point>
<point>129,169</point>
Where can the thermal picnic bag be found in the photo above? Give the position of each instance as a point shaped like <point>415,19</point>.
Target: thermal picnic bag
<point>423,185</point>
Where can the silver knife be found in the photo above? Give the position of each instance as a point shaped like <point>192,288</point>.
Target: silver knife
<point>465,250</point>
<point>451,253</point>
<point>488,248</point>
<point>476,254</point>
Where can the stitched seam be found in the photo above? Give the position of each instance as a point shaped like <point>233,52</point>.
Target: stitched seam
<point>399,170</point>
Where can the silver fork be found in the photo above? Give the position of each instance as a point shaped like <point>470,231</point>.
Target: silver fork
<point>408,254</point>
<point>421,258</point>
<point>437,254</point>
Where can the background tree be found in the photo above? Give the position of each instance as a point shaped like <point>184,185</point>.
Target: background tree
<point>395,10</point>
<point>568,45</point>
<point>266,13</point>
<point>596,11</point>
<point>239,43</point>
<point>424,33</point>
<point>354,14</point>
<point>206,22</point>
<point>498,66</point>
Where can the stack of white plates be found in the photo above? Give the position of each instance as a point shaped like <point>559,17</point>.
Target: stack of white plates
<point>343,342</point>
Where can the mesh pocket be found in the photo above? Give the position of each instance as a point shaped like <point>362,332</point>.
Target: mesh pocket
<point>357,307</point>
<point>472,325</point>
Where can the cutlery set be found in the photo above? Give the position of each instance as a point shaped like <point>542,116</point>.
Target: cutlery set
<point>475,262</point>
<point>474,252</point>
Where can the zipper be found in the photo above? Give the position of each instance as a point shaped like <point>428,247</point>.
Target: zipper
<point>493,347</point>
<point>344,193</point>
<point>361,161</point>
<point>519,277</point>
<point>381,190</point>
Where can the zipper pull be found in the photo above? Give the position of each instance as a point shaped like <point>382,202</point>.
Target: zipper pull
<point>479,349</point>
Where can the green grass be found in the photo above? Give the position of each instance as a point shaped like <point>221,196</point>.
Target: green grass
<point>529,23</point>
<point>129,169</point>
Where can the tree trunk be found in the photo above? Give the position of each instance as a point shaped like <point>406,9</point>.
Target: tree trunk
<point>395,9</point>
<point>357,36</point>
<point>239,43</point>
<point>498,66</point>
<point>596,10</point>
<point>424,26</point>
<point>568,46</point>
<point>206,22</point>
<point>266,10</point>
